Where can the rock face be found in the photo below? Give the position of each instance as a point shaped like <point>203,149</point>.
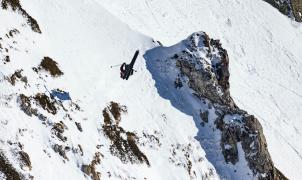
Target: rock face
<point>297,9</point>
<point>209,78</point>
<point>8,171</point>
<point>290,8</point>
<point>123,143</point>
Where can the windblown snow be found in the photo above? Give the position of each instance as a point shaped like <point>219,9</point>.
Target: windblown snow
<point>69,139</point>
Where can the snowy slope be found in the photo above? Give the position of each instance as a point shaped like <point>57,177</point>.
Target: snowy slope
<point>86,37</point>
<point>265,59</point>
<point>85,40</point>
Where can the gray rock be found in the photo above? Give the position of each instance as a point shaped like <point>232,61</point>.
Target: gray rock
<point>211,81</point>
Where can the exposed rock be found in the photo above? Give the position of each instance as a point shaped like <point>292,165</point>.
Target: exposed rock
<point>297,9</point>
<point>25,105</point>
<point>17,76</point>
<point>204,116</point>
<point>90,169</point>
<point>178,83</point>
<point>13,32</point>
<point>16,6</point>
<point>58,130</point>
<point>8,170</point>
<point>79,126</point>
<point>221,67</point>
<point>125,149</point>
<point>58,127</point>
<point>81,149</point>
<point>25,161</point>
<point>30,106</point>
<point>116,111</point>
<point>86,169</point>
<point>210,79</point>
<point>229,146</point>
<point>283,6</point>
<point>185,151</point>
<point>46,103</point>
<point>290,8</point>
<point>151,140</point>
<point>61,150</point>
<point>202,82</point>
<point>6,59</point>
<point>246,129</point>
<point>51,66</point>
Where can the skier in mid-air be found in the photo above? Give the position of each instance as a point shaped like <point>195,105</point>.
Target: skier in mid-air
<point>124,67</point>
<point>127,69</point>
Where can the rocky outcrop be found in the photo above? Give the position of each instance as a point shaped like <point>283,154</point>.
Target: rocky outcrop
<point>290,8</point>
<point>16,6</point>
<point>209,77</point>
<point>238,126</point>
<point>90,169</point>
<point>8,170</point>
<point>24,159</point>
<point>297,9</point>
<point>123,143</point>
<point>51,66</point>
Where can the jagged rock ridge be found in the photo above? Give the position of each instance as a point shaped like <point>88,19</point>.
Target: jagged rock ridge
<point>203,67</point>
<point>235,124</point>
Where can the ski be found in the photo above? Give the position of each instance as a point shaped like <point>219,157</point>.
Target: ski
<point>129,70</point>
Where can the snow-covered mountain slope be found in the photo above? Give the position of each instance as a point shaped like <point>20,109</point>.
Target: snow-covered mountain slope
<point>265,59</point>
<point>45,138</point>
<point>144,128</point>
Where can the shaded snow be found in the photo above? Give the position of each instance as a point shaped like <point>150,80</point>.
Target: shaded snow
<point>164,72</point>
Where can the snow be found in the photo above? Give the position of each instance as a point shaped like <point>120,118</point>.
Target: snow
<point>265,59</point>
<point>232,118</point>
<point>86,37</point>
<point>2,176</point>
<point>86,40</point>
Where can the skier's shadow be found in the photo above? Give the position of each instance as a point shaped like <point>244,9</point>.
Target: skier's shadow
<point>183,100</point>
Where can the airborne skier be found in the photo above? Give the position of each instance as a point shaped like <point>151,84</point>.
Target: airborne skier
<point>127,69</point>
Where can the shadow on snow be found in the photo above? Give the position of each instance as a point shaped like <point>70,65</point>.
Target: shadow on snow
<point>159,64</point>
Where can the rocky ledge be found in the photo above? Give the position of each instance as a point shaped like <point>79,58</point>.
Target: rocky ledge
<point>204,65</point>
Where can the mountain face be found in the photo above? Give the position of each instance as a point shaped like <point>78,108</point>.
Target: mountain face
<point>199,68</point>
<point>195,108</point>
<point>290,8</point>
